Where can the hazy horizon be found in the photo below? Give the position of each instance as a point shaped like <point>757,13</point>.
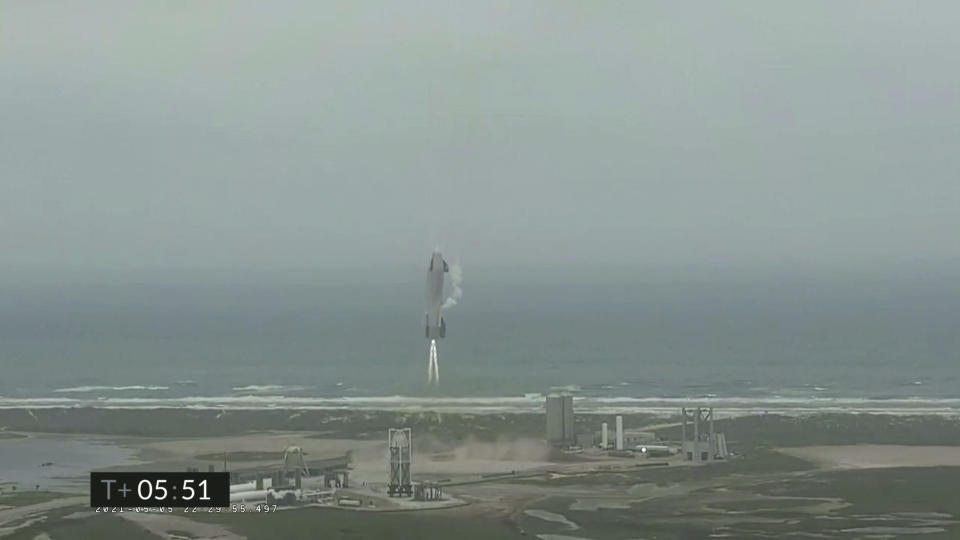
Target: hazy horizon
<point>682,196</point>
<point>241,135</point>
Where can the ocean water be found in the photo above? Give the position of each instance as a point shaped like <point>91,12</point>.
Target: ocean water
<point>622,340</point>
<point>58,462</point>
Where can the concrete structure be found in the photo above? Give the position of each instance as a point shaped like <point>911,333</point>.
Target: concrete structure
<point>655,450</point>
<point>400,445</point>
<point>631,438</point>
<point>248,496</point>
<point>722,452</point>
<point>699,441</point>
<point>259,485</point>
<point>428,491</point>
<point>294,463</point>
<point>337,479</point>
<point>560,420</point>
<point>619,432</point>
<point>585,440</point>
<point>604,441</point>
<point>293,477</point>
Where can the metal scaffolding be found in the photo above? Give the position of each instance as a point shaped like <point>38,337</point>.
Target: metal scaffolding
<point>400,444</point>
<point>705,444</point>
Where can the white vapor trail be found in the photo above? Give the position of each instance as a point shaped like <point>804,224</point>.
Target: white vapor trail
<point>456,293</point>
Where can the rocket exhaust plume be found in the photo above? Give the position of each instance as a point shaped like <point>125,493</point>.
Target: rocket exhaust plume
<point>433,368</point>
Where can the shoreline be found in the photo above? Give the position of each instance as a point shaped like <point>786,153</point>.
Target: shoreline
<point>820,463</point>
<point>364,424</point>
<point>528,404</point>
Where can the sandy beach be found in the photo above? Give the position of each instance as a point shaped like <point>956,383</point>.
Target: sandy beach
<point>868,456</point>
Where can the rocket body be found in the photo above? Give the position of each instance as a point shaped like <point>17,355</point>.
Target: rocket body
<point>436,327</point>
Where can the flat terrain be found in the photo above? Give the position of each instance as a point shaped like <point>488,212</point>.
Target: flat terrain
<point>870,456</point>
<point>887,477</point>
<point>270,445</point>
<point>332,423</point>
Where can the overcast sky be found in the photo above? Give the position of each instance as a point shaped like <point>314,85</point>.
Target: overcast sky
<point>328,134</point>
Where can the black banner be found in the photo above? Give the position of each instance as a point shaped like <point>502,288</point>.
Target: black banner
<point>170,489</point>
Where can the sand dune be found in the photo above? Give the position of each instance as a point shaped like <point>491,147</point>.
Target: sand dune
<point>865,456</point>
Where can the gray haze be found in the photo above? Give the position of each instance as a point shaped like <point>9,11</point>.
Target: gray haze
<point>262,135</point>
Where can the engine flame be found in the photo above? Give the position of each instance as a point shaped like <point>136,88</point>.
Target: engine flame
<point>433,368</point>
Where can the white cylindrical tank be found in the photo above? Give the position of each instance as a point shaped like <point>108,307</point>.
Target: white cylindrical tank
<point>619,432</point>
<point>312,482</point>
<point>604,441</point>
<point>250,486</point>
<point>249,496</point>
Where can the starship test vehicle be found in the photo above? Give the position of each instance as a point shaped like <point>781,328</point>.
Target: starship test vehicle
<point>436,327</point>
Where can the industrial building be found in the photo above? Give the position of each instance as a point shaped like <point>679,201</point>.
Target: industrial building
<point>428,491</point>
<point>560,430</point>
<point>619,420</point>
<point>704,443</point>
<point>586,439</point>
<point>298,481</point>
<point>294,480</point>
<point>631,438</point>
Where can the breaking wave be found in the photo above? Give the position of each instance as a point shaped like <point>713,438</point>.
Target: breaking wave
<point>529,403</point>
<point>89,389</point>
<point>265,388</point>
